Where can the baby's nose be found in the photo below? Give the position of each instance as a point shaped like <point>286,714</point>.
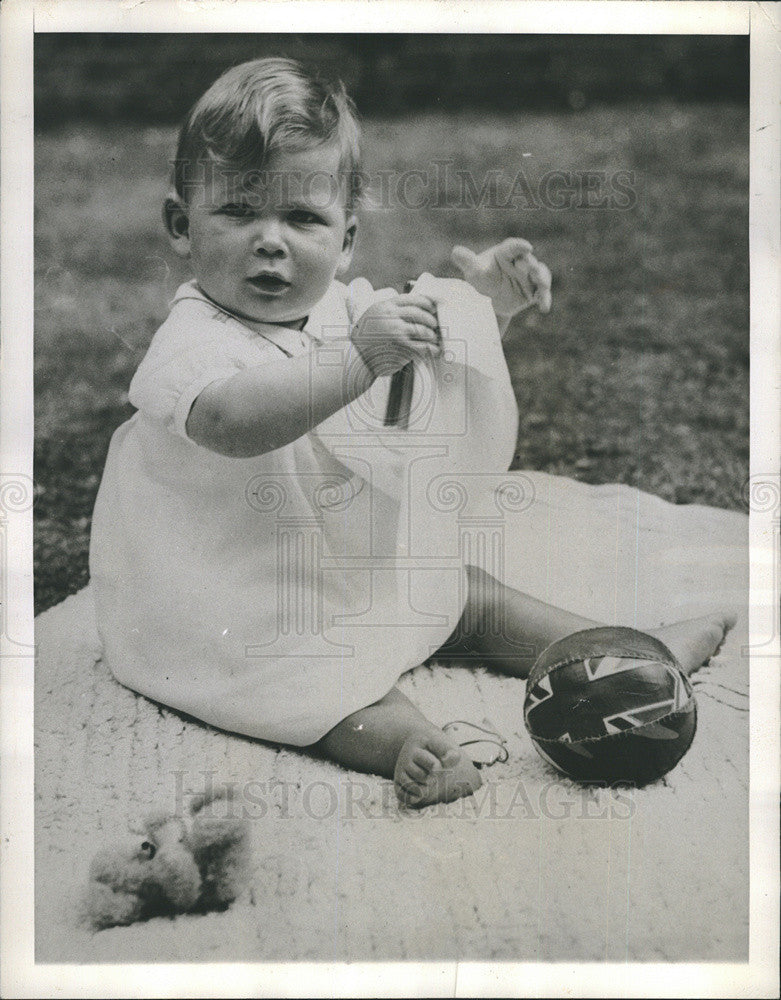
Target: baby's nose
<point>268,238</point>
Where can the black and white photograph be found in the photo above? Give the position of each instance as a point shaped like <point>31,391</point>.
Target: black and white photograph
<point>401,530</point>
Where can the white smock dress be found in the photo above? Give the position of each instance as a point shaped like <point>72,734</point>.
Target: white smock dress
<point>274,596</point>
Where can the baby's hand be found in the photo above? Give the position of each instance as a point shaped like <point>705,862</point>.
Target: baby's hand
<point>395,331</point>
<point>508,274</point>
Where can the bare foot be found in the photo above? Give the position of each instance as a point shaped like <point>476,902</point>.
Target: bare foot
<point>695,641</point>
<point>431,769</point>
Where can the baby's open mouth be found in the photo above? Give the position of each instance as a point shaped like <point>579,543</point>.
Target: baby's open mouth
<point>269,283</point>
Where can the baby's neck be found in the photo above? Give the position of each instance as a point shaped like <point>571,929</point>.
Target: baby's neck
<point>254,324</point>
<point>257,324</point>
<point>293,324</point>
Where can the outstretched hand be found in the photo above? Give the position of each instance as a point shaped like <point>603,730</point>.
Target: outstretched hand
<point>509,274</point>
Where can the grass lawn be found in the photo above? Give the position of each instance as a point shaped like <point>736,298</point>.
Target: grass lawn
<point>638,375</point>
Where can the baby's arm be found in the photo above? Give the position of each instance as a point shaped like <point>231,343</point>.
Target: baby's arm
<point>266,407</point>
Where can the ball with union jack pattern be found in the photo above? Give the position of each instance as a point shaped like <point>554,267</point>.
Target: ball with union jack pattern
<point>610,704</point>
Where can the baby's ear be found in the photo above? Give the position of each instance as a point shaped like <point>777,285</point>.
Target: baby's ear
<point>348,245</point>
<point>176,220</point>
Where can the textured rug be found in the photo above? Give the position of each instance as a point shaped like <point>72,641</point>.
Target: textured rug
<point>531,868</point>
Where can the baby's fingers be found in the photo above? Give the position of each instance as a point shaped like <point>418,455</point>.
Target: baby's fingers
<point>414,314</point>
<point>519,274</point>
<point>541,279</point>
<point>511,248</point>
<point>421,338</point>
<point>417,300</point>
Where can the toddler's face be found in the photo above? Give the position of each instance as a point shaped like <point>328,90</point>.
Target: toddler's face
<point>266,245</point>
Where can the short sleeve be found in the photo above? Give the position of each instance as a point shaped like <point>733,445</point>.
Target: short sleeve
<point>193,348</point>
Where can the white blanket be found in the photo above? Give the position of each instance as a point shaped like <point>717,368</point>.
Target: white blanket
<point>532,868</point>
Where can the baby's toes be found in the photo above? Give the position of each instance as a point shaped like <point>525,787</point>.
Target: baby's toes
<point>414,767</point>
<point>433,770</point>
<point>445,754</point>
<point>420,764</point>
<point>408,791</point>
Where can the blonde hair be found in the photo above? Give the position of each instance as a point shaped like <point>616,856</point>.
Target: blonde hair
<point>263,107</point>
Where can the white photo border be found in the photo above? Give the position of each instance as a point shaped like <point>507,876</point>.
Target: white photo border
<point>21,976</point>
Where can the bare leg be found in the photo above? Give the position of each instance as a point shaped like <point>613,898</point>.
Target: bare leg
<point>394,739</point>
<point>508,630</point>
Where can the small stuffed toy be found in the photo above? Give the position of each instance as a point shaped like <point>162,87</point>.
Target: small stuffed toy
<point>190,865</point>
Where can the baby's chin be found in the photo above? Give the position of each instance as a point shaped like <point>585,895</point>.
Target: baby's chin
<point>279,310</point>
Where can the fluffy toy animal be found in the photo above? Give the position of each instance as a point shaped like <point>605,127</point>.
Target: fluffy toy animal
<point>190,865</point>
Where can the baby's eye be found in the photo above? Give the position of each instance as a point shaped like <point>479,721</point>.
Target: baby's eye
<point>149,849</point>
<point>302,217</point>
<point>236,211</point>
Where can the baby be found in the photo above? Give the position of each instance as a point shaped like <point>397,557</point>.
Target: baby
<point>219,476</point>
